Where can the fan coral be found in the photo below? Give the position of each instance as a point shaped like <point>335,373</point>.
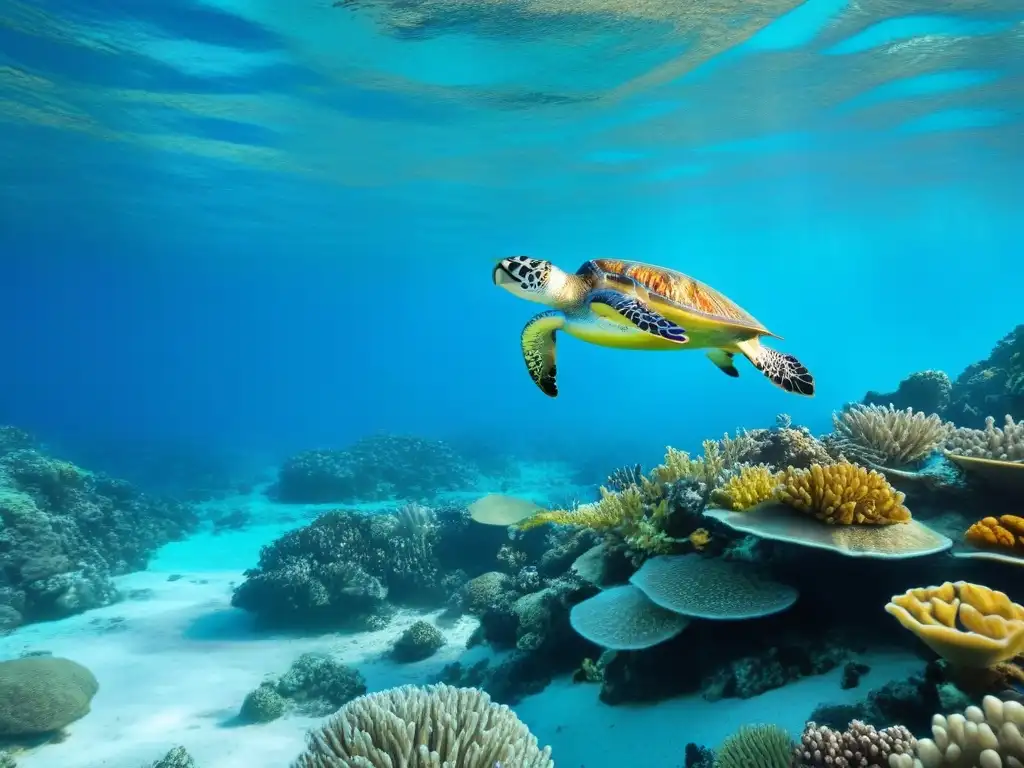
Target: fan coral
<point>843,493</point>
<point>436,726</point>
<point>623,618</point>
<point>896,437</point>
<point>993,626</point>
<point>747,489</point>
<point>988,736</point>
<point>859,746</point>
<point>1005,532</point>
<point>1006,444</point>
<point>764,746</point>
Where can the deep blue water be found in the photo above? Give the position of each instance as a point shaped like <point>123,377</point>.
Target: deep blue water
<point>265,227</point>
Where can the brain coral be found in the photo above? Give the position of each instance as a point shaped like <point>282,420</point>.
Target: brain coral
<point>711,588</point>
<point>42,694</point>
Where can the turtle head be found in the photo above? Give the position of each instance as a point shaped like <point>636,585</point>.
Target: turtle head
<point>537,280</point>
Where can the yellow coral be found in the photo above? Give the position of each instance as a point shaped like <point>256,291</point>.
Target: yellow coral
<point>747,489</point>
<point>843,493</point>
<point>700,538</point>
<point>612,511</point>
<point>1005,532</point>
<point>993,626</point>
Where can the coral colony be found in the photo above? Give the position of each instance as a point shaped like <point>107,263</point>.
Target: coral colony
<point>830,546</point>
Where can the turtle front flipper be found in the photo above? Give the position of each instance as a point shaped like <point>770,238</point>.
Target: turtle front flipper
<point>724,361</point>
<point>538,340</point>
<point>617,307</point>
<point>782,370</point>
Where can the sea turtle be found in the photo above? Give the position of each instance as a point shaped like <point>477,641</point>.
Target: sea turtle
<point>629,305</point>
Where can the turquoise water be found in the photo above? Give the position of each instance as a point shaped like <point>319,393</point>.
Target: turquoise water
<point>234,231</point>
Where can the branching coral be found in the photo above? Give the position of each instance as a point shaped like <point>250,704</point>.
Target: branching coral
<point>434,727</point>
<point>895,437</point>
<point>614,510</point>
<point>843,493</point>
<point>988,736</point>
<point>748,488</point>
<point>1005,532</point>
<point>1006,444</point>
<point>859,746</point>
<point>993,625</point>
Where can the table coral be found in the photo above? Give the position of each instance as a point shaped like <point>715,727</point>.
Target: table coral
<point>992,625</point>
<point>843,493</point>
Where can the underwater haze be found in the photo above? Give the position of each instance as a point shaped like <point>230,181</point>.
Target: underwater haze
<point>273,448</point>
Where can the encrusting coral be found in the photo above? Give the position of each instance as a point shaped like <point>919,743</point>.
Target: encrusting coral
<point>889,436</point>
<point>437,726</point>
<point>748,488</point>
<point>843,493</point>
<point>1005,532</point>
<point>1006,444</point>
<point>993,625</point>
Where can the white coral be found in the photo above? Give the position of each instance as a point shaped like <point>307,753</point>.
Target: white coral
<point>1006,444</point>
<point>436,726</point>
<point>986,737</point>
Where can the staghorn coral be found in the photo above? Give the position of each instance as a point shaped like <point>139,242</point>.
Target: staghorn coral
<point>623,477</point>
<point>843,493</point>
<point>437,726</point>
<point>988,737</point>
<point>1006,444</point>
<point>889,436</point>
<point>1005,532</point>
<point>859,746</point>
<point>992,625</point>
<point>748,488</point>
<point>763,746</point>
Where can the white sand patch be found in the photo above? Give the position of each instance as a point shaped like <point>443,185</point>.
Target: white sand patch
<point>176,666</point>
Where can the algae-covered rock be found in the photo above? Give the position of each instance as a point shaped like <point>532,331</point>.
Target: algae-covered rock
<point>42,694</point>
<point>262,705</point>
<point>176,758</point>
<point>420,641</point>
<point>319,685</point>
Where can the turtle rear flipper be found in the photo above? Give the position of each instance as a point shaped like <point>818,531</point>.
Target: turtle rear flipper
<point>724,361</point>
<point>538,341</point>
<point>782,370</point>
<point>617,307</point>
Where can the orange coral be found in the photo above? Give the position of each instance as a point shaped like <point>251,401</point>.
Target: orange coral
<point>1005,532</point>
<point>843,494</point>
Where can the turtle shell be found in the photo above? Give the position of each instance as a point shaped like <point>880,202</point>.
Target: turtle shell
<point>678,290</point>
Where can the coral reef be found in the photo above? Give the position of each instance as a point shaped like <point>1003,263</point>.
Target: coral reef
<point>422,727</point>
<point>992,626</point>
<point>262,705</point>
<point>925,391</point>
<point>992,442</point>
<point>887,436</point>
<point>42,694</point>
<point>859,746</point>
<point>843,493</point>
<point>65,532</point>
<point>748,488</point>
<point>316,685</point>
<point>342,568</point>
<point>988,736</point>
<point>764,746</point>
<point>374,468</point>
<point>993,385</point>
<point>784,446</point>
<point>420,641</point>
<point>175,758</point>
